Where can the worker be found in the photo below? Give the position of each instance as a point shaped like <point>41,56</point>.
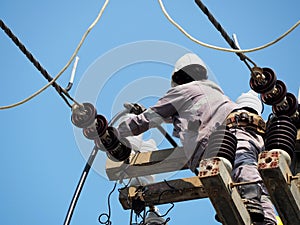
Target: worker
<point>249,144</point>
<point>197,106</point>
<point>138,144</point>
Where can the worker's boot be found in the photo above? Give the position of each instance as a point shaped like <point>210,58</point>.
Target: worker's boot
<point>251,195</point>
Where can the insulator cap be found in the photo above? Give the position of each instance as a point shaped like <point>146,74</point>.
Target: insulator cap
<point>97,129</point>
<point>265,84</point>
<point>276,95</point>
<point>110,140</point>
<point>117,149</point>
<point>121,152</point>
<point>288,108</point>
<point>84,117</point>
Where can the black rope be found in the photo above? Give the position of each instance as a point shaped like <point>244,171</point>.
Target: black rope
<point>219,27</point>
<point>37,65</point>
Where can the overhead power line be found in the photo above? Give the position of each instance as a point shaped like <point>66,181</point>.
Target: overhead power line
<point>34,61</point>
<point>48,77</point>
<point>180,28</point>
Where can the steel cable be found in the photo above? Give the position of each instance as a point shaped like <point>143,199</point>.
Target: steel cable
<point>65,67</point>
<point>34,61</point>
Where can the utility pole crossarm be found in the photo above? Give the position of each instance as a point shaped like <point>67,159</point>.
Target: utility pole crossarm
<point>163,192</point>
<point>147,163</point>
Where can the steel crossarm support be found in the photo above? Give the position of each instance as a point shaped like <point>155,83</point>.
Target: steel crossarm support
<point>147,163</point>
<point>163,192</point>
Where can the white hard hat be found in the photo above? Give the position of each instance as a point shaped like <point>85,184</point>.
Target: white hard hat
<point>250,100</point>
<point>185,64</point>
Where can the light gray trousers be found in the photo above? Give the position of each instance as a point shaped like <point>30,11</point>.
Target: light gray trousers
<point>245,168</point>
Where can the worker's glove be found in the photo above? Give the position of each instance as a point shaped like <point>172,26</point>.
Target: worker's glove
<point>134,108</point>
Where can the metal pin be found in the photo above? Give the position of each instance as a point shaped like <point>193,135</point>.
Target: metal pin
<point>70,84</point>
<point>235,40</point>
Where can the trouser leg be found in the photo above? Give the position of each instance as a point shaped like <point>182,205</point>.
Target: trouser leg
<point>269,212</point>
<point>255,195</point>
<point>245,169</point>
<point>251,195</point>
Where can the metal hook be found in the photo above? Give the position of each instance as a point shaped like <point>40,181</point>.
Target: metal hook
<point>235,40</point>
<point>70,84</point>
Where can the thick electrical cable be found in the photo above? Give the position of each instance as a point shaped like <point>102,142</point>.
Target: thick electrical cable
<point>65,67</point>
<point>221,48</point>
<point>224,34</point>
<point>31,58</point>
<point>80,184</point>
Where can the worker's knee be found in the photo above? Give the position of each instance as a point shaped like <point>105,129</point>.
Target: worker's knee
<point>246,172</point>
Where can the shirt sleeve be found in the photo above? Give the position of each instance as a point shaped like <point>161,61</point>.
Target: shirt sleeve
<point>162,111</point>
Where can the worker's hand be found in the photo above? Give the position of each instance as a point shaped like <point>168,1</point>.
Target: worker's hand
<point>134,108</point>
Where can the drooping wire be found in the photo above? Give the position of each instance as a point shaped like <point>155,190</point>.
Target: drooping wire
<point>31,58</point>
<point>172,21</point>
<point>65,67</point>
<point>107,215</point>
<point>224,34</point>
<point>167,212</point>
<point>136,217</point>
<point>172,204</point>
<point>142,222</point>
<point>157,214</point>
<point>142,216</point>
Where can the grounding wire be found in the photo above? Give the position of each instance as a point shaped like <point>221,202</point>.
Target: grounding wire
<point>180,28</point>
<point>66,66</point>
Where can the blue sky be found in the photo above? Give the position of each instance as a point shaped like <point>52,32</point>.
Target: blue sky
<point>42,155</point>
